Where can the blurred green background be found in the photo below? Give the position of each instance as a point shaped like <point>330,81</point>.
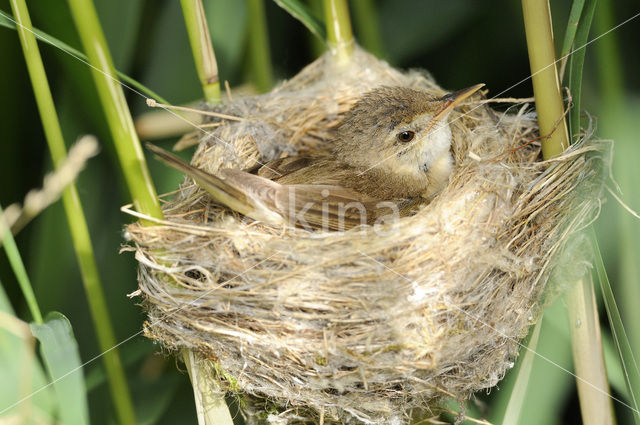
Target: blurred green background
<point>460,42</point>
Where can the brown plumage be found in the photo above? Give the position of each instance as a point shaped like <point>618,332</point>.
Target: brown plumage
<point>390,153</point>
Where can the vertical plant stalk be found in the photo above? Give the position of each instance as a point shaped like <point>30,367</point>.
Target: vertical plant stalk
<point>593,385</point>
<point>596,407</point>
<point>211,407</point>
<point>115,107</point>
<point>202,49</point>
<point>546,86</point>
<point>339,33</point>
<point>10,248</point>
<point>259,53</point>
<point>76,219</point>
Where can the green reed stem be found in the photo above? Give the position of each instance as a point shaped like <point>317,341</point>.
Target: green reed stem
<point>202,49</point>
<point>546,86</point>
<point>588,356</point>
<point>259,53</point>
<point>339,33</point>
<point>593,386</point>
<point>212,409</point>
<point>76,219</point>
<point>115,107</point>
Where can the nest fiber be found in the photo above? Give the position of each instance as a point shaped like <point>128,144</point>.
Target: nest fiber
<point>371,324</point>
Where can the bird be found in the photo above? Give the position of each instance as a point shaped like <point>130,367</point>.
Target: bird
<point>390,154</point>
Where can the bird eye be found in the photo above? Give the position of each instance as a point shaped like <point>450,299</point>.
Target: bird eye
<point>405,136</point>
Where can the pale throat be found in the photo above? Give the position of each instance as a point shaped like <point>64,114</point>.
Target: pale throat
<point>427,164</point>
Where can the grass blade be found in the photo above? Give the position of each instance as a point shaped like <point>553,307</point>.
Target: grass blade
<point>570,34</point>
<point>75,217</point>
<point>302,13</point>
<point>24,392</point>
<point>7,22</point>
<point>595,406</point>
<point>576,62</point>
<point>20,272</point>
<point>59,351</point>
<point>629,363</point>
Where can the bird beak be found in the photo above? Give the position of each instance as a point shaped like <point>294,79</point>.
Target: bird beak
<point>451,100</point>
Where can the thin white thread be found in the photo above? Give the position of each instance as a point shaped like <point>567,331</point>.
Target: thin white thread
<point>511,339</point>
<point>223,141</point>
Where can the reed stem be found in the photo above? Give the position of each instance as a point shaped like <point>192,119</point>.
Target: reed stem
<point>339,33</point>
<point>546,86</point>
<point>593,387</point>
<point>259,53</point>
<point>202,49</point>
<point>115,107</point>
<point>76,219</point>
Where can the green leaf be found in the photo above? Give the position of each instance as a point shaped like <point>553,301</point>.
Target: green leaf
<point>576,62</point>
<point>59,351</point>
<point>612,362</point>
<point>302,13</point>
<point>23,392</point>
<point>572,27</point>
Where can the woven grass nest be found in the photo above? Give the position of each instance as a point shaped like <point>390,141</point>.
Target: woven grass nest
<point>372,324</point>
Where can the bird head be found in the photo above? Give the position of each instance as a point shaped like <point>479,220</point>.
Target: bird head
<point>398,130</point>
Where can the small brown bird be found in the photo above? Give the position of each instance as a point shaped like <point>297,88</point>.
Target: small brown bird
<point>391,152</point>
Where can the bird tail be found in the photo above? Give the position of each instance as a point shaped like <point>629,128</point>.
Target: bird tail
<point>232,188</point>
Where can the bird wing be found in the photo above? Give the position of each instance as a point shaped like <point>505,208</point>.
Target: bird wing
<point>326,207</point>
<point>281,167</point>
<point>317,206</point>
<point>309,206</point>
<point>233,193</point>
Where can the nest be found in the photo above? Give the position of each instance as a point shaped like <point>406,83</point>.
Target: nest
<point>371,324</point>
